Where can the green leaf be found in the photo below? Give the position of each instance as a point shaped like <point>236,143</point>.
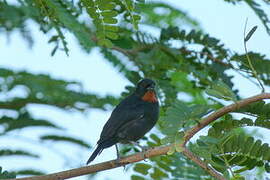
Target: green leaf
<point>25,121</point>
<point>107,6</point>
<point>171,150</point>
<point>142,168</point>
<point>8,152</point>
<point>6,174</point>
<point>259,62</point>
<point>238,177</point>
<point>250,33</point>
<point>132,17</point>
<point>179,140</point>
<point>260,13</point>
<point>221,91</point>
<point>111,28</point>
<point>31,172</point>
<point>167,140</point>
<point>54,50</point>
<point>136,17</point>
<point>112,35</point>
<point>109,20</point>
<point>135,177</point>
<point>218,164</point>
<point>103,14</point>
<point>106,42</point>
<point>147,10</point>
<point>198,111</point>
<point>158,174</point>
<point>109,14</point>
<point>64,16</point>
<point>58,138</point>
<point>155,138</point>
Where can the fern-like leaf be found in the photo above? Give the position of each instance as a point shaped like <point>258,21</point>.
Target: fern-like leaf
<point>104,18</point>
<point>28,172</point>
<point>170,15</point>
<point>8,152</point>
<point>6,174</point>
<point>57,138</point>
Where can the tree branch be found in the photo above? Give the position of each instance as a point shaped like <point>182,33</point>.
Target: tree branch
<point>157,151</point>
<point>219,113</point>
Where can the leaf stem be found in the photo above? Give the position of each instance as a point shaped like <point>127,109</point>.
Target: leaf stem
<point>255,74</point>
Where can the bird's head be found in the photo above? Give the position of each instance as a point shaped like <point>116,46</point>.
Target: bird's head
<point>146,90</point>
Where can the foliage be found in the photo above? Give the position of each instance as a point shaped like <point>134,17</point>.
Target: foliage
<point>6,174</point>
<point>260,63</point>
<point>162,167</point>
<point>153,12</point>
<point>190,66</point>
<point>8,152</point>
<point>256,7</point>
<point>65,139</point>
<point>229,150</point>
<point>23,89</point>
<point>179,117</point>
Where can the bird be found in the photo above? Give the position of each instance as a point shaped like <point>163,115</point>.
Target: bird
<point>131,119</point>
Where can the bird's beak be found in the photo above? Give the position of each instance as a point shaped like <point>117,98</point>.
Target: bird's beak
<point>151,88</point>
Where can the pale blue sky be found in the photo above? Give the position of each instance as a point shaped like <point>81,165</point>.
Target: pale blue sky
<point>219,19</point>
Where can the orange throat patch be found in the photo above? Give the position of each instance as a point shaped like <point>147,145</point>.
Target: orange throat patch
<point>150,96</point>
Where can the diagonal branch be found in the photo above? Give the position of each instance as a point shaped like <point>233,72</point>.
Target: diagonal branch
<point>219,113</point>
<point>157,151</point>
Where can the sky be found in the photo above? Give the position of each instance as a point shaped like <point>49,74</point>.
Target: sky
<point>221,20</point>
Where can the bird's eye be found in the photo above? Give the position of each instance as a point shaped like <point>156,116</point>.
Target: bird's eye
<point>147,85</point>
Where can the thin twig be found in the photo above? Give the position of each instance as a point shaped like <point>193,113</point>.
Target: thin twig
<point>202,164</point>
<point>126,52</point>
<point>157,151</point>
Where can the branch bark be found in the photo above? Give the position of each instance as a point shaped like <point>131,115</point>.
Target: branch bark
<point>157,151</point>
<point>230,108</point>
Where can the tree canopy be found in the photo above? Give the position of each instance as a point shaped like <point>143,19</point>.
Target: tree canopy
<point>183,59</point>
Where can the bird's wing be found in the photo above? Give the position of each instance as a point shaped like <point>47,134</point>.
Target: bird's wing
<point>128,110</point>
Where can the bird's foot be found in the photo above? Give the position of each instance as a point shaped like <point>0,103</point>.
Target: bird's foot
<point>117,161</point>
<point>144,153</point>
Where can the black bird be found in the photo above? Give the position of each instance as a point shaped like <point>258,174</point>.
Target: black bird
<point>131,119</point>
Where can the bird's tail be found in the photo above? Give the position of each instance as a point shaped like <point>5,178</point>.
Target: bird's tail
<point>100,147</point>
<point>97,151</point>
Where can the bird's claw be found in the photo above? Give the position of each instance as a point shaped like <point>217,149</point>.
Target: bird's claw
<point>117,161</point>
<point>144,150</point>
<point>144,157</point>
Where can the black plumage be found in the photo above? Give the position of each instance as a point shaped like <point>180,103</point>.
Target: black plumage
<point>131,119</point>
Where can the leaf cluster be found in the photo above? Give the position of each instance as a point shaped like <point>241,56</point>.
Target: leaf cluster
<point>186,63</point>
<point>6,174</point>
<point>173,166</point>
<point>23,89</point>
<point>231,151</point>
